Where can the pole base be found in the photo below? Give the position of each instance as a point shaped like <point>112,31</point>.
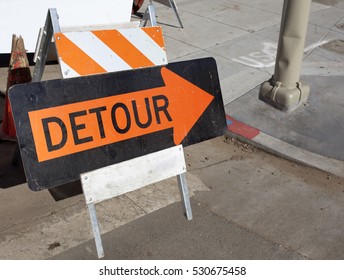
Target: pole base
<point>283,97</point>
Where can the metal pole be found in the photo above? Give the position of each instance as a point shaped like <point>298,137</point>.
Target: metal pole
<point>284,90</point>
<point>96,231</point>
<point>175,9</point>
<point>184,193</point>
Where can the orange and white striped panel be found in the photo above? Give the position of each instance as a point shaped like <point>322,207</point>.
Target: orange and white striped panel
<point>95,52</point>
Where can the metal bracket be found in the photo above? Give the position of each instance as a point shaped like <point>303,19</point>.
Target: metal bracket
<point>43,43</point>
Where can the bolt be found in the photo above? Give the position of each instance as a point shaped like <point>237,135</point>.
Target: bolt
<point>85,178</point>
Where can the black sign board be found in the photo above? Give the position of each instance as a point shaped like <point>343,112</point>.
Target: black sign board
<point>71,126</point>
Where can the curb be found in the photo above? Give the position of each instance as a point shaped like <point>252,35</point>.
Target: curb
<point>272,145</point>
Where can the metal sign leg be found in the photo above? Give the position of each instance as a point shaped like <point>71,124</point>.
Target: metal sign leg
<point>175,9</point>
<point>96,232</point>
<point>51,26</point>
<point>184,193</point>
<point>149,14</point>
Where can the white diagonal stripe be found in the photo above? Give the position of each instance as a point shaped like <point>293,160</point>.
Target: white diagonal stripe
<point>145,44</point>
<point>98,51</point>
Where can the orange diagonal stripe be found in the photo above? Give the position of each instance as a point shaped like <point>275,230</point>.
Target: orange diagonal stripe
<point>74,57</point>
<point>156,34</point>
<point>123,48</point>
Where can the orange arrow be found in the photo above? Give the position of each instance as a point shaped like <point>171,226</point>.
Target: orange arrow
<point>188,102</point>
<point>76,127</point>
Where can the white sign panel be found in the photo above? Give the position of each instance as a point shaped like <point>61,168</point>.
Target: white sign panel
<point>130,175</point>
<point>25,17</point>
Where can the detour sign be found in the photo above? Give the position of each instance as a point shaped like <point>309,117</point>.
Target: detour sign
<point>76,127</point>
<point>67,127</point>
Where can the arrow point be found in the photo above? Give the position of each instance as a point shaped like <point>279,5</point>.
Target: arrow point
<point>188,103</point>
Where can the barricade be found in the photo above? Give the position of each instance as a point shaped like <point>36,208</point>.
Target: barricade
<point>90,52</point>
<point>101,51</point>
<point>109,152</point>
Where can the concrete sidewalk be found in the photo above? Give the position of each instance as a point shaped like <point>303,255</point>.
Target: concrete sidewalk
<point>248,204</point>
<point>256,206</point>
<point>246,57</point>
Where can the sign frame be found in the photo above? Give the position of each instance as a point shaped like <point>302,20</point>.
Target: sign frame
<point>111,181</point>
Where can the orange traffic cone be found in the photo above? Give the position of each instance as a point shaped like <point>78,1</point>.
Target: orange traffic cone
<point>18,73</point>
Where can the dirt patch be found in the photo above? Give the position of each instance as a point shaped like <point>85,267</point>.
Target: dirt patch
<point>241,145</point>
